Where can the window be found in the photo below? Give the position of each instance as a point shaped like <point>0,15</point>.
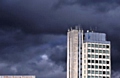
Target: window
<point>92,61</point>
<point>100,67</point>
<point>92,71</point>
<point>100,76</point>
<point>103,46</point>
<point>104,51</point>
<point>107,52</point>
<point>100,61</point>
<point>84,66</point>
<point>88,66</point>
<point>103,76</point>
<point>103,56</point>
<point>88,55</point>
<point>107,67</point>
<point>92,45</point>
<point>96,76</point>
<point>88,76</point>
<point>88,50</point>
<point>92,76</point>
<point>84,45</point>
<point>96,67</point>
<point>84,50</point>
<point>104,62</point>
<point>96,61</point>
<point>92,66</point>
<point>100,72</point>
<point>96,51</point>
<point>92,56</point>
<point>96,56</point>
<point>96,72</point>
<point>107,46</point>
<point>107,57</point>
<point>88,45</point>
<point>107,73</point>
<point>107,62</point>
<point>103,67</point>
<point>84,56</point>
<point>100,56</point>
<point>96,45</point>
<point>103,72</point>
<point>100,51</point>
<point>88,61</point>
<point>100,46</point>
<point>88,71</point>
<point>92,50</point>
<point>84,61</point>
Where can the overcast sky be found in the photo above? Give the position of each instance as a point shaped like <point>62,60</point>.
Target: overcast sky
<point>33,33</point>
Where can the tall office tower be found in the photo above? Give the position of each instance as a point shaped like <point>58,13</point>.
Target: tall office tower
<point>88,55</point>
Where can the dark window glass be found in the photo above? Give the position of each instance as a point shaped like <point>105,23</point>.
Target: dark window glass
<point>92,50</point>
<point>100,56</point>
<point>88,66</point>
<point>103,67</point>
<point>107,46</point>
<point>103,46</point>
<point>103,76</point>
<point>107,62</point>
<point>88,55</point>
<point>103,56</point>
<point>96,61</point>
<point>103,72</point>
<point>107,67</point>
<point>100,67</point>
<point>107,72</point>
<point>88,61</point>
<point>92,61</point>
<point>96,66</point>
<point>100,61</point>
<point>92,66</point>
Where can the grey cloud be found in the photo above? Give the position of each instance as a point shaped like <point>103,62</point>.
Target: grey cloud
<point>101,5</point>
<point>31,28</point>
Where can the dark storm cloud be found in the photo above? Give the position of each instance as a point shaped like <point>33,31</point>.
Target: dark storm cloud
<point>28,28</point>
<point>99,5</point>
<point>31,54</point>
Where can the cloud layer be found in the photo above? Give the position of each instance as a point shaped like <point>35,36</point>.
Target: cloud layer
<point>33,33</point>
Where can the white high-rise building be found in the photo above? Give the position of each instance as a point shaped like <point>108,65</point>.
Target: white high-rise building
<point>88,55</point>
